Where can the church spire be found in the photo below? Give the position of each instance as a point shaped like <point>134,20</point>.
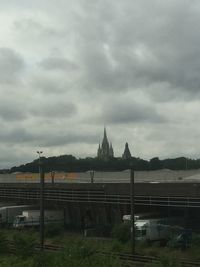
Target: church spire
<point>111,152</point>
<point>105,150</point>
<point>105,135</point>
<point>99,151</point>
<point>127,153</point>
<point>105,143</point>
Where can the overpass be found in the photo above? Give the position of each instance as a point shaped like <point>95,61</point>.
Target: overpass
<point>106,197</point>
<point>154,188</point>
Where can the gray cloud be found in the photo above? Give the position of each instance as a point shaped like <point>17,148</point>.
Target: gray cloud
<point>37,29</point>
<point>45,138</point>
<point>11,64</point>
<point>70,138</point>
<point>9,112</point>
<point>136,46</point>
<point>17,135</point>
<point>67,69</point>
<point>60,109</point>
<point>11,156</point>
<point>57,63</point>
<point>48,84</point>
<point>123,112</point>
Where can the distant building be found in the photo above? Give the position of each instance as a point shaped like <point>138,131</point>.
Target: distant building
<point>105,150</point>
<point>127,153</point>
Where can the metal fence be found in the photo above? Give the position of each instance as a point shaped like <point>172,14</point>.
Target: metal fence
<point>97,196</point>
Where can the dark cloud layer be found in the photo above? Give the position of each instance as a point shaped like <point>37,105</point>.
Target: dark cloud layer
<point>139,44</point>
<point>67,69</point>
<point>57,63</point>
<point>11,64</point>
<point>131,112</point>
<point>46,138</point>
<point>60,109</point>
<point>11,113</point>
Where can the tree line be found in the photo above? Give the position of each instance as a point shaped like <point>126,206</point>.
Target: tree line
<point>69,163</point>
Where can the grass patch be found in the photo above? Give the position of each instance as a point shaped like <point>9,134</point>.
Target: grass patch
<point>121,232</point>
<point>81,251</point>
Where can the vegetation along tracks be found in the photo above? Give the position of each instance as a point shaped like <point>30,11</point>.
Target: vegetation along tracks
<point>125,257</point>
<point>129,258</point>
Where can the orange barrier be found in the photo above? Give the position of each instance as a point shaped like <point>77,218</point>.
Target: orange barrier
<point>27,176</point>
<point>48,176</point>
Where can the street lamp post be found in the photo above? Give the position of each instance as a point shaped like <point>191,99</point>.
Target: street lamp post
<point>132,200</point>
<point>186,163</point>
<point>92,176</point>
<point>41,202</point>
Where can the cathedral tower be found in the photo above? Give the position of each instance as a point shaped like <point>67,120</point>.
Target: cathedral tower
<point>127,153</point>
<point>105,151</point>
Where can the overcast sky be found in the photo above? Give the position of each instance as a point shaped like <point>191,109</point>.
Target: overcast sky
<point>69,67</point>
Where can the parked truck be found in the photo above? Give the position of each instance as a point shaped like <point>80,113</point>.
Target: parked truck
<point>31,218</point>
<point>6,204</point>
<point>157,229</point>
<point>8,213</point>
<point>139,216</point>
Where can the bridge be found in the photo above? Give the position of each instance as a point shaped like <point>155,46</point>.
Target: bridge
<point>106,193</point>
<point>161,194</point>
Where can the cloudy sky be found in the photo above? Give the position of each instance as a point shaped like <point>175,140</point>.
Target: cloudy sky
<point>69,67</point>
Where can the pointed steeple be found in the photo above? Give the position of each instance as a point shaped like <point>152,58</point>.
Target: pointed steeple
<point>111,152</point>
<point>127,153</point>
<point>105,144</point>
<point>105,135</point>
<point>99,151</point>
<point>105,150</point>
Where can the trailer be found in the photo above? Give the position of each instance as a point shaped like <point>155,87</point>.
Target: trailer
<point>139,216</point>
<point>8,213</point>
<point>7,204</point>
<point>157,229</point>
<point>31,218</point>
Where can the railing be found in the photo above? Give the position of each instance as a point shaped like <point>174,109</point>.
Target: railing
<point>97,196</point>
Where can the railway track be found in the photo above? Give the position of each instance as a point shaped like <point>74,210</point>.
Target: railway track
<point>128,259</point>
<point>142,259</point>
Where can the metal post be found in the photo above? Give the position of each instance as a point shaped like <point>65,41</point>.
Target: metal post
<point>41,171</point>
<point>132,200</point>
<point>52,177</point>
<point>92,176</point>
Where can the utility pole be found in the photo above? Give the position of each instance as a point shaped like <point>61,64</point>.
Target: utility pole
<point>92,176</point>
<point>132,200</point>
<point>41,171</point>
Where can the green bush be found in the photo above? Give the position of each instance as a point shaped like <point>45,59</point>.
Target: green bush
<point>165,262</point>
<point>24,244</point>
<point>79,249</point>
<point>52,230</point>
<point>121,232</point>
<point>169,262</point>
<point>196,240</point>
<point>117,246</point>
<point>84,256</point>
<point>4,248</point>
<point>103,230</point>
<point>59,259</point>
